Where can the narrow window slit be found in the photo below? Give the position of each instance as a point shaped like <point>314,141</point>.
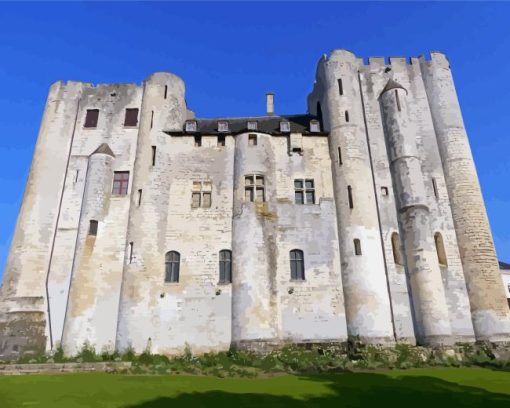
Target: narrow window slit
<point>340,156</point>
<point>397,99</point>
<point>153,155</point>
<point>357,247</point>
<point>139,197</point>
<point>349,193</point>
<point>347,116</point>
<point>130,252</point>
<point>152,118</point>
<point>434,186</point>
<point>340,87</point>
<point>166,91</point>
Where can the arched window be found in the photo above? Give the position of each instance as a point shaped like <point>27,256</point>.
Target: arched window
<point>172,263</point>
<point>297,265</point>
<point>225,266</point>
<point>395,244</point>
<point>441,253</point>
<point>357,247</point>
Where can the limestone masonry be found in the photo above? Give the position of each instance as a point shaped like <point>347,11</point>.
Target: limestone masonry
<point>142,226</point>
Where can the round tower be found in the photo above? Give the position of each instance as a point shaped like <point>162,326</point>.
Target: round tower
<point>254,314</point>
<point>337,98</point>
<point>163,108</point>
<point>430,307</point>
<point>86,280</point>
<point>490,314</point>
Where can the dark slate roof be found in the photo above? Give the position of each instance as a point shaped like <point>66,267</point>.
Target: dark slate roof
<point>265,124</point>
<point>503,265</point>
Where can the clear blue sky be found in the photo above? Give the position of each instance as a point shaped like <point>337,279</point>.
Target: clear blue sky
<point>230,54</point>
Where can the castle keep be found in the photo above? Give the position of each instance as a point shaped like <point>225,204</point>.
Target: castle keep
<point>143,226</point>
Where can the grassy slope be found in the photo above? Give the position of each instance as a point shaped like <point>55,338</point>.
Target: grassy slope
<point>429,388</point>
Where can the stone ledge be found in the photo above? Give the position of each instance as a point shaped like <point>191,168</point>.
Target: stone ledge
<point>14,369</point>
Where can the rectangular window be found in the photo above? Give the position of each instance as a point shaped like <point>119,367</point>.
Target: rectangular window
<point>252,139</point>
<point>201,194</point>
<point>120,182</point>
<point>384,191</point>
<point>91,118</point>
<point>254,188</point>
<point>198,141</point>
<point>131,118</point>
<point>93,227</point>
<point>221,140</point>
<point>195,200</point>
<point>340,87</point>
<point>304,191</point>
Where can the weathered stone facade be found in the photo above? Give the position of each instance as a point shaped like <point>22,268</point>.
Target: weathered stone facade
<point>142,226</point>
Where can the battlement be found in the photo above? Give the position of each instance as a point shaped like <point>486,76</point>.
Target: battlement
<point>437,57</point>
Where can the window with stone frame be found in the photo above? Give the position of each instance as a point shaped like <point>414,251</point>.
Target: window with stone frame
<point>201,194</point>
<point>91,118</point>
<point>304,191</point>
<point>297,265</point>
<point>172,266</point>
<point>225,265</point>
<point>254,188</point>
<point>131,118</point>
<point>120,182</point>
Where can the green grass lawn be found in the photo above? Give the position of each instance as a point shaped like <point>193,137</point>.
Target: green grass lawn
<point>431,388</point>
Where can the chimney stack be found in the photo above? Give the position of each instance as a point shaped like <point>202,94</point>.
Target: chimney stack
<point>270,103</point>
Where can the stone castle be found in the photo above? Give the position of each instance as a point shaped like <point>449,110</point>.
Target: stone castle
<point>143,226</point>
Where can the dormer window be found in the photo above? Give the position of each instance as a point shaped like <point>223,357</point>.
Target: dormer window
<point>284,126</point>
<point>222,126</point>
<point>315,126</point>
<point>252,125</point>
<point>191,126</point>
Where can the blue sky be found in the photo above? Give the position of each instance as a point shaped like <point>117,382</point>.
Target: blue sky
<point>230,54</point>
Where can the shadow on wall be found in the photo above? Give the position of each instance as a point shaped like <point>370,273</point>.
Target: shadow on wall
<point>351,390</point>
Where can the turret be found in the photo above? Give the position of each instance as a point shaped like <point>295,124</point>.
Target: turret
<point>336,99</point>
<point>87,281</point>
<point>163,108</point>
<point>254,292</point>
<point>491,317</point>
<point>431,310</point>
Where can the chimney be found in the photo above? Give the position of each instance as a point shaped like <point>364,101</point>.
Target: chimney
<point>270,103</point>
